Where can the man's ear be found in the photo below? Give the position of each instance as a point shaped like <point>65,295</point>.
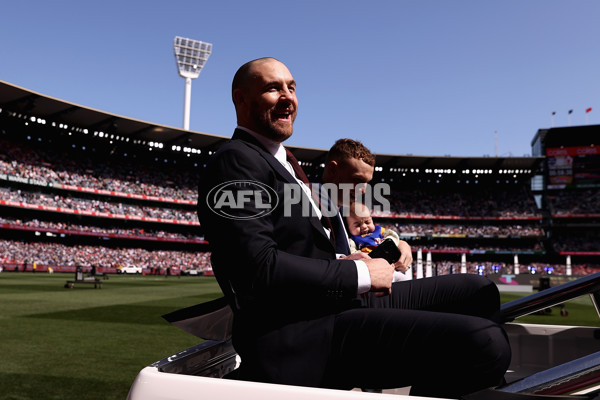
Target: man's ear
<point>334,165</point>
<point>238,97</point>
<point>330,171</point>
<point>240,102</point>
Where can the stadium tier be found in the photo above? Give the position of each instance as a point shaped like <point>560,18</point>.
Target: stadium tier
<point>80,187</point>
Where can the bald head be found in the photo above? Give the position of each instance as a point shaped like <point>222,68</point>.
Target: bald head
<point>245,73</point>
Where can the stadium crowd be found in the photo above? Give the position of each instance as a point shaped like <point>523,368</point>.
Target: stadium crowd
<point>405,231</point>
<point>57,255</point>
<point>483,202</point>
<point>66,226</point>
<point>129,178</point>
<point>170,183</point>
<point>517,230</point>
<point>566,243</point>
<point>568,202</point>
<point>478,247</point>
<point>94,205</point>
<point>410,209</point>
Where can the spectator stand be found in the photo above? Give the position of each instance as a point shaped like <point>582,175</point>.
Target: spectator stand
<point>71,195</point>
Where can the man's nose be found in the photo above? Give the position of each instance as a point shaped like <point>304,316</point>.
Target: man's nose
<point>286,94</point>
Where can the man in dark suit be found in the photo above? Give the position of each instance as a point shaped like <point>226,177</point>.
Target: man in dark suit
<point>298,318</point>
<point>349,162</point>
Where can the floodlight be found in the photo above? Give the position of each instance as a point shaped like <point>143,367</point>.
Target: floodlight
<point>190,55</point>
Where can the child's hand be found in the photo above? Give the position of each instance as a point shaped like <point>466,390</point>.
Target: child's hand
<point>406,258</point>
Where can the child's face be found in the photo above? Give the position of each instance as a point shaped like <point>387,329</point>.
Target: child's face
<point>360,224</point>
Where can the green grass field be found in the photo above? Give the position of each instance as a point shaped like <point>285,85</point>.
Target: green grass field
<point>86,343</point>
<point>581,312</point>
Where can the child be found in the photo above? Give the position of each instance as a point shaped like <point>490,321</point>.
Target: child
<point>365,235</point>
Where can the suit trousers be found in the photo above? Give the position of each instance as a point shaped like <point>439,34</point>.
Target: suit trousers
<point>438,335</point>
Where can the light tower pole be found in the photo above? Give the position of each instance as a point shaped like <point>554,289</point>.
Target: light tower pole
<point>190,55</point>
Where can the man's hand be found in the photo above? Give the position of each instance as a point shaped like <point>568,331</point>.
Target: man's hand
<point>359,255</point>
<point>382,274</point>
<point>406,258</point>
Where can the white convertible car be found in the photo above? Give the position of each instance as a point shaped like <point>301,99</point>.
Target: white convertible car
<point>549,361</point>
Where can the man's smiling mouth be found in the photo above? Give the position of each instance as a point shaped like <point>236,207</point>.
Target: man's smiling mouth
<point>283,116</point>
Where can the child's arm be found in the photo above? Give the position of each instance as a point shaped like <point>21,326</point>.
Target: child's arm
<point>406,259</point>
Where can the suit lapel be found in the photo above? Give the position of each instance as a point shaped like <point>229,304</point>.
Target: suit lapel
<point>258,147</point>
<point>254,144</point>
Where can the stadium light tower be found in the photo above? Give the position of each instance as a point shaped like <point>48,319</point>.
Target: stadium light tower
<point>191,55</point>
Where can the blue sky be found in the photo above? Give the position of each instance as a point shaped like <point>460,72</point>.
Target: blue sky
<point>421,77</point>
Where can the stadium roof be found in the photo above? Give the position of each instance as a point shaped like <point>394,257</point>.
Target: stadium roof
<point>32,104</point>
<point>585,135</point>
<point>14,98</point>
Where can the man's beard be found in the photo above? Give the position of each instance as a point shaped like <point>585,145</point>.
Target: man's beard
<point>271,130</point>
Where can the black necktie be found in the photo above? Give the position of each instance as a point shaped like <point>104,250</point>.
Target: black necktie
<point>342,246</point>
